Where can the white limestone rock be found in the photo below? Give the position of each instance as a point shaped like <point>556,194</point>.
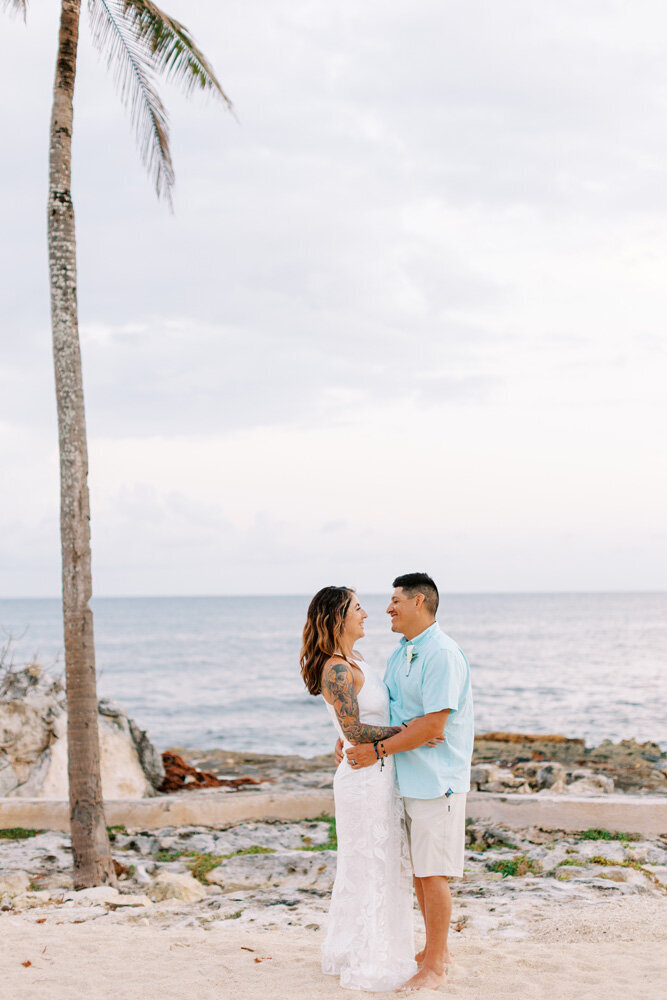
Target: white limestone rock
<point>591,784</point>
<point>33,742</point>
<point>289,869</point>
<point>174,885</point>
<point>93,896</point>
<point>35,899</point>
<point>130,900</point>
<point>550,774</point>
<point>14,883</point>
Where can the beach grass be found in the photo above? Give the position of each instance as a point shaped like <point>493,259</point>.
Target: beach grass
<point>18,833</point>
<point>332,839</point>
<point>517,866</point>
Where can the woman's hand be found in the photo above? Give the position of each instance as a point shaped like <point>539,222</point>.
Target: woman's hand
<point>338,751</point>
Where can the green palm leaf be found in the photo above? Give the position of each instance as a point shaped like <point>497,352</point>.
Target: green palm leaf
<point>141,41</point>
<point>172,48</point>
<point>133,75</point>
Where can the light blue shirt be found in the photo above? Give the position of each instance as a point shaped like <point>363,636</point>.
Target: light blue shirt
<point>437,677</point>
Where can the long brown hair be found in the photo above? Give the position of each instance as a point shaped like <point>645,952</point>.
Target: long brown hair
<point>322,632</point>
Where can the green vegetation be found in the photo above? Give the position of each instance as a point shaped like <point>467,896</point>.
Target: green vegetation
<point>170,855</point>
<point>18,833</point>
<point>113,830</point>
<point>233,916</point>
<point>255,849</point>
<point>516,866</point>
<point>332,840</point>
<point>202,864</point>
<point>596,833</point>
<point>598,859</point>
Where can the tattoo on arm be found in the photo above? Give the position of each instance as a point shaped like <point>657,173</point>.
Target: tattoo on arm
<point>338,682</point>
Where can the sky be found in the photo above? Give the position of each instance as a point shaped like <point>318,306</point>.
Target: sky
<point>408,313</point>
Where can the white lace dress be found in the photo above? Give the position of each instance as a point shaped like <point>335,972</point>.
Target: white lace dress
<point>370,940</point>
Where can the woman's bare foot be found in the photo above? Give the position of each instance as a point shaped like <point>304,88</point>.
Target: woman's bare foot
<point>425,979</point>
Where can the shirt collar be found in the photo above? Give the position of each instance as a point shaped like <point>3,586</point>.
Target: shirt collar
<point>422,637</point>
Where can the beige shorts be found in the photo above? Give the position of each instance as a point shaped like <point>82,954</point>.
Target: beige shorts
<point>437,834</point>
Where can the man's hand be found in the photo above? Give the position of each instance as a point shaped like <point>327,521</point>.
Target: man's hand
<point>339,751</point>
<point>435,740</point>
<point>361,755</point>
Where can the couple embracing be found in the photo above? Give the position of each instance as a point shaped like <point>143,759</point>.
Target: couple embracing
<point>404,750</point>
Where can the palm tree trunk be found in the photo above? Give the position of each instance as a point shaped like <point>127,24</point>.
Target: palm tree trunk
<point>90,843</point>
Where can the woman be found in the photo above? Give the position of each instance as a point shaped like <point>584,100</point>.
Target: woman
<point>369,941</point>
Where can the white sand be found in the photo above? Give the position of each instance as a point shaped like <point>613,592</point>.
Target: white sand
<point>614,950</point>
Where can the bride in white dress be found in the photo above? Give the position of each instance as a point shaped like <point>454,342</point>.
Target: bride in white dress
<point>369,941</point>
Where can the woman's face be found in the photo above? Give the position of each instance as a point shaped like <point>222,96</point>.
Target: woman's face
<point>354,620</point>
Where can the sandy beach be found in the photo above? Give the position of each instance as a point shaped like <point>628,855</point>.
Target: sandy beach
<point>241,912</point>
<point>616,950</point>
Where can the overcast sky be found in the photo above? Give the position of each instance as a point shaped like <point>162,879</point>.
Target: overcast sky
<point>409,312</point>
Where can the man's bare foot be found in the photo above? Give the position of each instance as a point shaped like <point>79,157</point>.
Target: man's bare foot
<point>419,957</point>
<point>425,979</point>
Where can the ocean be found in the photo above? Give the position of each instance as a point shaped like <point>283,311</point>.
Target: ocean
<point>223,671</point>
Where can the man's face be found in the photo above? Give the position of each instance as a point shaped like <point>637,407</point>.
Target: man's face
<point>401,610</point>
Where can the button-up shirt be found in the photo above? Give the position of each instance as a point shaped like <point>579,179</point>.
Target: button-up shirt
<point>437,677</point>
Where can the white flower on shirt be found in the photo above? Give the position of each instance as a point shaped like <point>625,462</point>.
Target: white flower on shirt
<point>409,653</point>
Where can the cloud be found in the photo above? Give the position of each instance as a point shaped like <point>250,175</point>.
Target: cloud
<point>433,237</point>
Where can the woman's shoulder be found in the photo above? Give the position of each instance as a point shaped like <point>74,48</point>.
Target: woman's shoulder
<point>337,667</point>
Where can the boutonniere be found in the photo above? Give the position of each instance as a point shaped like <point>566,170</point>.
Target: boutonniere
<point>409,654</point>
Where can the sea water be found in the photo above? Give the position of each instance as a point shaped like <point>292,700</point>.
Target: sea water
<point>224,671</point>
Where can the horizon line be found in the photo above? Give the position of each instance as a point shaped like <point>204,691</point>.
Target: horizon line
<point>369,593</point>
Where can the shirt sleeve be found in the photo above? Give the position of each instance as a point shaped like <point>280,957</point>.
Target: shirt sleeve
<point>440,682</point>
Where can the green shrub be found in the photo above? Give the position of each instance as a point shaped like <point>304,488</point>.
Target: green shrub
<point>516,866</point>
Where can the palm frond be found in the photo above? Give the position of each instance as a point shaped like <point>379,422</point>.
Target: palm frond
<point>17,7</point>
<point>133,74</point>
<point>172,49</point>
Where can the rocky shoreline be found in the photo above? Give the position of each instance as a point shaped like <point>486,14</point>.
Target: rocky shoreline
<point>502,762</point>
<point>278,875</point>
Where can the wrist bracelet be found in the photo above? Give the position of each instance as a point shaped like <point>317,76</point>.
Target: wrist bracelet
<point>375,747</point>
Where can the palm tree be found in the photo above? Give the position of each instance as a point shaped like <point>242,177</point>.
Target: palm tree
<point>140,42</point>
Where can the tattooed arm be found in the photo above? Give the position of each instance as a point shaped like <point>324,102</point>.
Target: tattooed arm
<point>338,686</point>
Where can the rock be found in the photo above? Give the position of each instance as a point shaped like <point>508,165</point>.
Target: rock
<point>58,880</point>
<point>125,899</point>
<point>14,883</point>
<point>33,738</point>
<point>90,897</point>
<point>141,875</point>
<point>592,784</point>
<point>549,774</point>
<point>482,774</point>
<point>173,885</point>
<point>31,900</point>
<point>290,869</point>
<point>149,758</point>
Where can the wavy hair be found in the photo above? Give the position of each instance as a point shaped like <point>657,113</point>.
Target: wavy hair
<point>322,633</point>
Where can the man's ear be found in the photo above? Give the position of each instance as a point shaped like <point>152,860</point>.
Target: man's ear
<point>419,601</point>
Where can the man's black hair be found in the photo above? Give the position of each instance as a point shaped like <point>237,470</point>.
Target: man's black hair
<point>420,583</point>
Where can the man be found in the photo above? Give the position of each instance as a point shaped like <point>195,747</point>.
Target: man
<point>428,677</point>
